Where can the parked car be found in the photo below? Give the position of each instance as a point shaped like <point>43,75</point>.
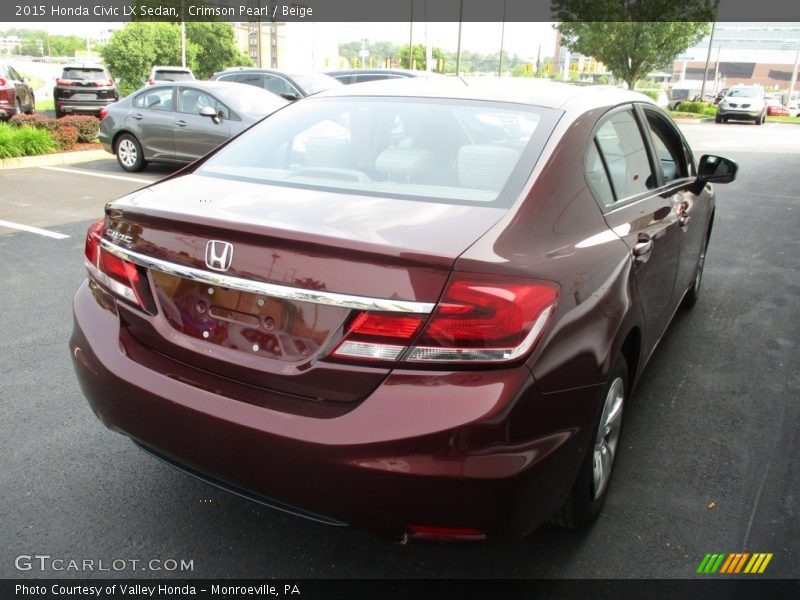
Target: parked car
<point>743,103</point>
<point>84,89</point>
<point>179,122</point>
<point>162,73</point>
<point>16,94</point>
<point>348,76</point>
<point>290,85</point>
<point>477,279</point>
<point>776,109</point>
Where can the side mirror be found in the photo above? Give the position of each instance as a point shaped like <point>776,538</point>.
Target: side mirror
<point>716,169</point>
<point>290,97</point>
<point>208,111</point>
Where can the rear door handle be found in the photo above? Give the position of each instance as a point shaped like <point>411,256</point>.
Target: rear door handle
<point>137,116</point>
<point>181,123</point>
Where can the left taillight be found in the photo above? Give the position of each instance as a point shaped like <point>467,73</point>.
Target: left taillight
<point>103,113</point>
<point>479,319</point>
<point>124,278</point>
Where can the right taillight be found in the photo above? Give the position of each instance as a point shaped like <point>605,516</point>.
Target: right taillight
<point>122,277</point>
<point>479,319</point>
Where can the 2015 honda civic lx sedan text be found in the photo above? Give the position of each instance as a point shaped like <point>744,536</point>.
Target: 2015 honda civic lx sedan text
<point>416,309</point>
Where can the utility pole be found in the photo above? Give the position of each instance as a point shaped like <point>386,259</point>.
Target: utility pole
<point>708,59</point>
<point>458,49</point>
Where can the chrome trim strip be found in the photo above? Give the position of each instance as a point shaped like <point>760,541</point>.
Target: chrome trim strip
<point>270,289</point>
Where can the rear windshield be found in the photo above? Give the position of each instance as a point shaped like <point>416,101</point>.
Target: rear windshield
<point>451,151</point>
<point>314,82</point>
<point>85,74</point>
<point>163,75</point>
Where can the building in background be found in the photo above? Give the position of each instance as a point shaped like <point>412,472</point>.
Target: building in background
<point>744,53</point>
<point>288,46</point>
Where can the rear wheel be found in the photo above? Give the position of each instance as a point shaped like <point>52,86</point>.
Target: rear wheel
<point>129,153</point>
<point>718,119</point>
<point>59,113</point>
<point>32,106</point>
<point>693,293</point>
<point>589,492</point>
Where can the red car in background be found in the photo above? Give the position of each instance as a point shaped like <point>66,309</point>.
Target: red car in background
<point>416,309</point>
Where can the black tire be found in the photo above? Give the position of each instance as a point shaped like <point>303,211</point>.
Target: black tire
<point>585,502</point>
<point>724,119</point>
<point>59,113</point>
<point>717,119</point>
<point>32,106</point>
<point>129,153</point>
<point>693,293</point>
<point>760,120</point>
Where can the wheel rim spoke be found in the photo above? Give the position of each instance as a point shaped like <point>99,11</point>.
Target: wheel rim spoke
<point>607,436</point>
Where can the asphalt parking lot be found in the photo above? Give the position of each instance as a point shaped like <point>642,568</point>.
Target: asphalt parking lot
<point>711,457</point>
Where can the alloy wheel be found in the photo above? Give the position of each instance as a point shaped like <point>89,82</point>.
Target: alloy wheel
<point>127,153</point>
<point>608,431</point>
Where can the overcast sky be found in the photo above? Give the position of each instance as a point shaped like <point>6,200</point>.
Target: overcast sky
<point>519,38</point>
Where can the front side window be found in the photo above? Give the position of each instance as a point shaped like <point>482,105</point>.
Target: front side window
<point>436,150</point>
<point>191,101</point>
<point>668,146</point>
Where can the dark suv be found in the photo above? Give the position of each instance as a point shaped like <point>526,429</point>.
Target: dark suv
<point>84,89</point>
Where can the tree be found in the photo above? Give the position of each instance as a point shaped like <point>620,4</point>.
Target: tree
<point>135,49</point>
<point>636,37</point>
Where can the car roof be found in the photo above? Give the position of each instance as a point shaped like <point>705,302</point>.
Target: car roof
<point>187,69</point>
<point>202,84</point>
<point>402,72</point>
<point>543,93</point>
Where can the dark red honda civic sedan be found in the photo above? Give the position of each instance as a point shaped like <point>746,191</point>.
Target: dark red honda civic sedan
<point>416,308</point>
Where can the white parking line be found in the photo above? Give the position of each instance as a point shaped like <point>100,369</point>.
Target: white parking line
<point>28,228</point>
<point>91,174</point>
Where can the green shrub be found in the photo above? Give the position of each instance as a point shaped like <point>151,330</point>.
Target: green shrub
<point>34,120</point>
<point>88,127</point>
<point>66,136</point>
<point>24,141</point>
<point>711,110</point>
<point>650,94</point>
<point>698,108</point>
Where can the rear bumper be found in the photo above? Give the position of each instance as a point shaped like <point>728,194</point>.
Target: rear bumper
<point>483,449</point>
<point>83,107</point>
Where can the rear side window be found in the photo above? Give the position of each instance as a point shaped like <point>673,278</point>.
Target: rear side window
<point>160,99</point>
<point>623,150</point>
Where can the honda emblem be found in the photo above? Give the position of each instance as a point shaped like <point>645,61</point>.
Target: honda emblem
<point>219,255</point>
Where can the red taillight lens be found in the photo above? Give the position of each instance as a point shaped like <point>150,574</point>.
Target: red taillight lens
<point>64,82</point>
<point>379,336</point>
<point>480,318</point>
<point>120,276</point>
<point>3,82</point>
<point>103,113</point>
<point>484,312</point>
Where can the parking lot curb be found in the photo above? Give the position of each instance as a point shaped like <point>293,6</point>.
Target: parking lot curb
<point>62,158</point>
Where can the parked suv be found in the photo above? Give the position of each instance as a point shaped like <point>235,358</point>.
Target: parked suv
<point>743,102</point>
<point>16,96</point>
<point>158,74</point>
<point>85,89</point>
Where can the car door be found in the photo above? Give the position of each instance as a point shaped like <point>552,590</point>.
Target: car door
<point>23,89</point>
<point>691,205</point>
<point>622,176</point>
<point>196,135</point>
<point>151,121</point>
